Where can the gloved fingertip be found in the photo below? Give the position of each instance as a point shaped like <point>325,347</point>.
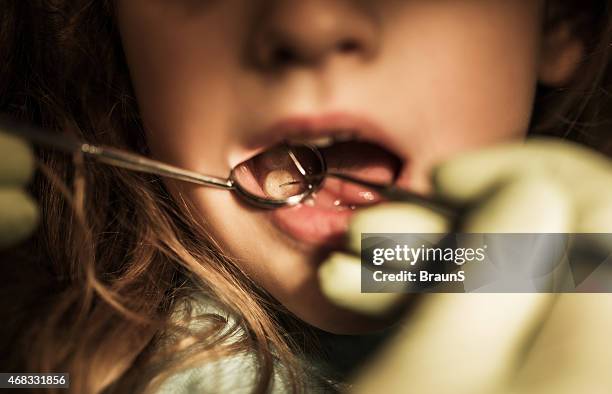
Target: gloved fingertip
<point>19,216</point>
<point>340,282</point>
<point>395,218</point>
<point>17,160</point>
<point>468,175</point>
<point>526,205</point>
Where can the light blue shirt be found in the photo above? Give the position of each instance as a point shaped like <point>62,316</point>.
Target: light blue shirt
<point>230,374</point>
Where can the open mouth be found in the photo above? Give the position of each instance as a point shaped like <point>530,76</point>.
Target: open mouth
<point>287,173</point>
<point>323,218</point>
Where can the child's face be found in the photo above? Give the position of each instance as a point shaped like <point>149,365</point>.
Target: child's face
<point>218,80</point>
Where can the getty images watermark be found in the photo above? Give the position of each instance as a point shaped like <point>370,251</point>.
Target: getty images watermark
<point>494,263</point>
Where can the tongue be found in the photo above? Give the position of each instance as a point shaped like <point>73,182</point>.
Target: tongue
<point>361,160</point>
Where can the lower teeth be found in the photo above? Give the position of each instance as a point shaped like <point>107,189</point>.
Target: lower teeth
<point>311,201</point>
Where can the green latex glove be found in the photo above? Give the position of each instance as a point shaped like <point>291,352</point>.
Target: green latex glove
<point>494,343</point>
<point>18,212</point>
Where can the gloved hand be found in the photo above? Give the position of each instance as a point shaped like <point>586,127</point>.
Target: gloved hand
<point>18,211</point>
<point>494,343</point>
<point>545,185</point>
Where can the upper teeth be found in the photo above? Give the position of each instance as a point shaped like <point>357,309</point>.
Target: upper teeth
<point>321,142</point>
<point>326,141</point>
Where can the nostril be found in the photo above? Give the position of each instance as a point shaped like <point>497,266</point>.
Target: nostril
<point>349,46</point>
<point>284,55</point>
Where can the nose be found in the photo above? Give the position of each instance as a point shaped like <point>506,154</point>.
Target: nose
<point>312,32</point>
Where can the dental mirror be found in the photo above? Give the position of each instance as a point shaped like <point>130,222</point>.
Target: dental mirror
<point>283,175</point>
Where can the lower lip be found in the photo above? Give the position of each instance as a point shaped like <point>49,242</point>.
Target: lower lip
<point>313,225</point>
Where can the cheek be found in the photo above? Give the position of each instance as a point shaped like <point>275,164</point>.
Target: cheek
<point>467,70</point>
<point>183,96</point>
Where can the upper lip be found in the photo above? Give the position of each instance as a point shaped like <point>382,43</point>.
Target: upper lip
<point>309,127</point>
